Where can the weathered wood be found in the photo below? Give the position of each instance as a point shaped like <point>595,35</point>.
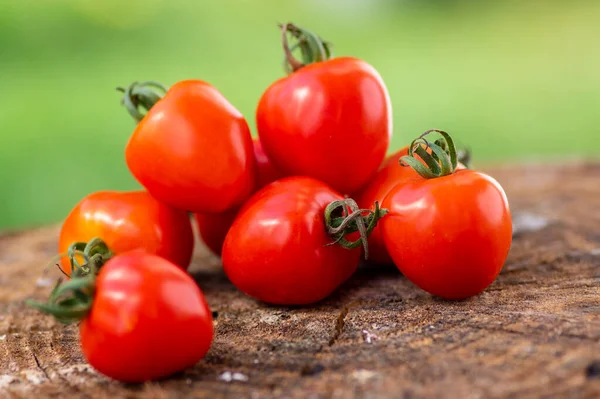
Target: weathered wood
<point>534,333</point>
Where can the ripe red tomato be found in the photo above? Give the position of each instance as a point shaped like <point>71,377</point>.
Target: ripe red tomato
<point>148,319</point>
<point>266,171</point>
<point>389,175</point>
<point>330,120</point>
<point>276,250</point>
<point>193,149</point>
<point>449,235</point>
<point>126,221</point>
<point>213,227</point>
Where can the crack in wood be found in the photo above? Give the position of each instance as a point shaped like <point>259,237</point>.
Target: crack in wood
<point>39,366</point>
<point>521,338</point>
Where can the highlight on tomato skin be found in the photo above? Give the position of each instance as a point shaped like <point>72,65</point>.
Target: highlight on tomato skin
<point>330,118</point>
<point>450,231</point>
<point>451,235</point>
<point>390,174</point>
<point>126,221</point>
<point>193,149</point>
<point>149,319</point>
<point>277,248</point>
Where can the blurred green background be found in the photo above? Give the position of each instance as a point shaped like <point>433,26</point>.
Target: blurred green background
<point>514,80</point>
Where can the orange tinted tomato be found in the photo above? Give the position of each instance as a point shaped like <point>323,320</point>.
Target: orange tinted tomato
<point>193,150</point>
<point>126,221</point>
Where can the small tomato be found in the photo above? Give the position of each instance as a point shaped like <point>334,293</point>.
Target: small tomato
<point>193,149</point>
<point>142,317</point>
<point>387,177</point>
<point>279,250</point>
<point>127,221</point>
<point>449,232</point>
<point>329,119</point>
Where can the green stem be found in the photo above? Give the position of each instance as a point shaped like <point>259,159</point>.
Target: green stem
<point>141,95</point>
<point>95,251</point>
<point>344,217</point>
<point>442,160</point>
<point>72,301</point>
<point>312,47</point>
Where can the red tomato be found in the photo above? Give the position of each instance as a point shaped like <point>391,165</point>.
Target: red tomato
<point>449,235</point>
<point>389,175</point>
<point>213,227</point>
<point>276,250</point>
<point>193,150</point>
<point>126,221</point>
<point>266,171</point>
<point>148,319</point>
<point>330,120</point>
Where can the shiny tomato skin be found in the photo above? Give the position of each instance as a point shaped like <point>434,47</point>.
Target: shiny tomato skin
<point>193,150</point>
<point>329,120</point>
<point>126,221</point>
<point>213,227</point>
<point>449,235</point>
<point>148,320</point>
<point>387,177</point>
<point>390,174</point>
<point>276,250</point>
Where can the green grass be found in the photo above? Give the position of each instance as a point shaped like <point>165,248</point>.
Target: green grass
<point>516,80</point>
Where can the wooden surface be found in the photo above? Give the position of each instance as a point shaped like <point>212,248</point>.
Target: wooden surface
<point>534,333</point>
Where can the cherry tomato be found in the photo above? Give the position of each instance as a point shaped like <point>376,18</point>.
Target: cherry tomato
<point>213,227</point>
<point>276,250</point>
<point>192,149</point>
<point>148,319</point>
<point>449,235</point>
<point>330,120</point>
<point>126,221</point>
<point>389,175</point>
<point>266,171</point>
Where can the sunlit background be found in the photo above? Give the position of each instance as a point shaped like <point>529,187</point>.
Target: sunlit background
<point>513,80</point>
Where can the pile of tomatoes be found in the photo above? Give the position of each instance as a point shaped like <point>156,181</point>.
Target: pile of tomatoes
<point>290,213</point>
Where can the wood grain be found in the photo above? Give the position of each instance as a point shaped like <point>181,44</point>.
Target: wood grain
<point>534,333</point>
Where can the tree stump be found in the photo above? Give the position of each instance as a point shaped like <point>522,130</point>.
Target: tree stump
<point>535,332</point>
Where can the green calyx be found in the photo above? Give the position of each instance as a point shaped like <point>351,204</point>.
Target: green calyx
<point>344,217</point>
<point>141,95</point>
<point>442,160</point>
<point>95,254</point>
<point>312,48</point>
<point>72,301</point>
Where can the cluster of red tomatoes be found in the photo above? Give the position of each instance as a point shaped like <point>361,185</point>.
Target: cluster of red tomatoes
<point>289,213</point>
